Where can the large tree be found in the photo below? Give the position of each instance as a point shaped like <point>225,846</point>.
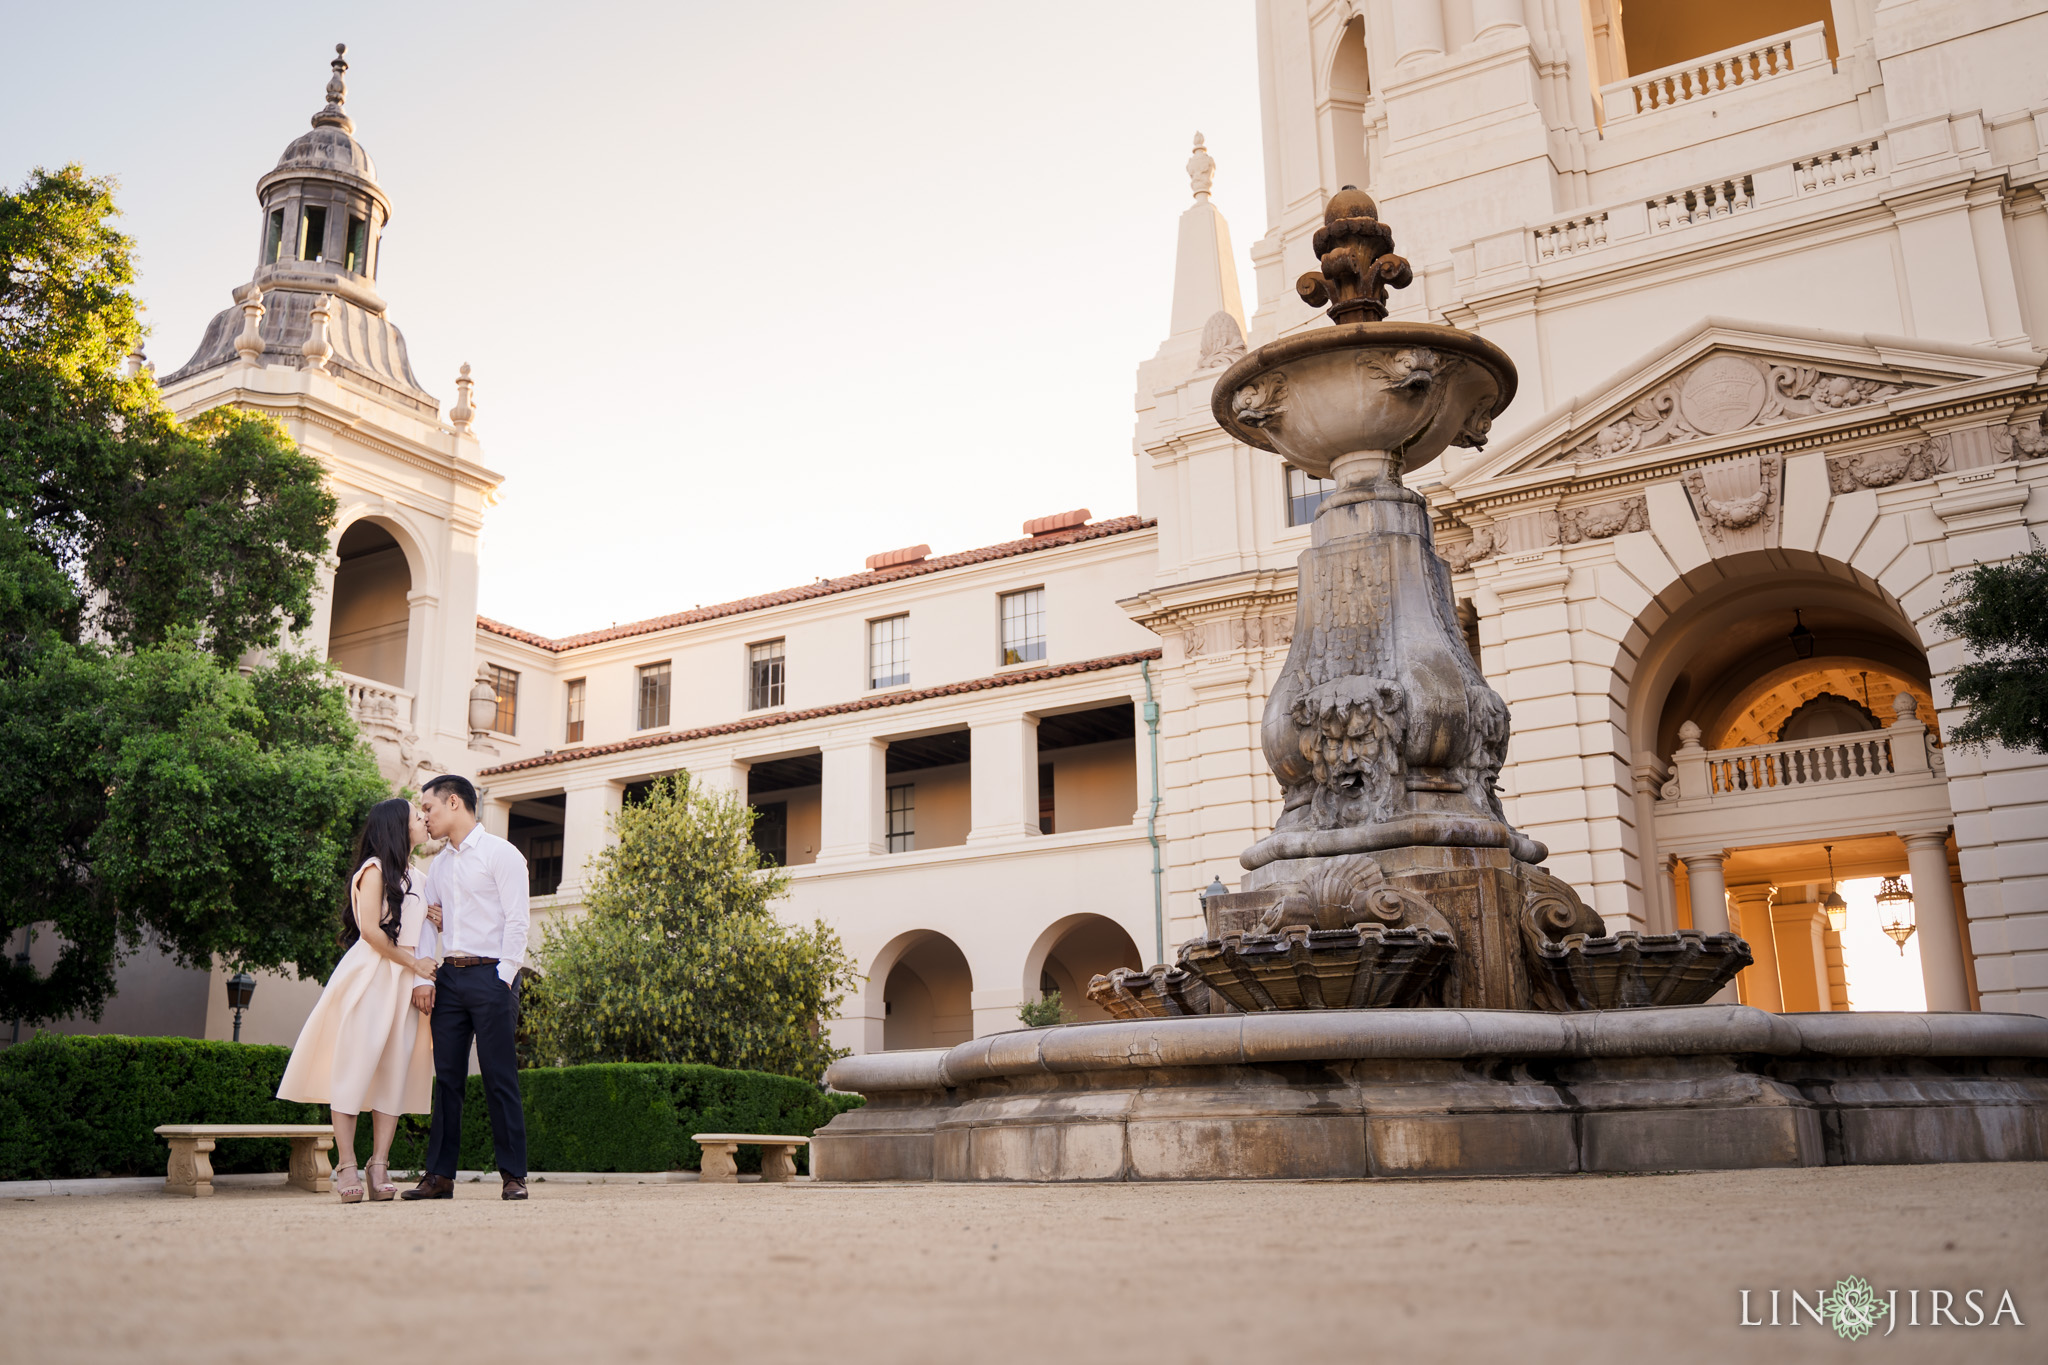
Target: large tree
<point>151,788</point>
<point>2000,611</point>
<point>681,957</point>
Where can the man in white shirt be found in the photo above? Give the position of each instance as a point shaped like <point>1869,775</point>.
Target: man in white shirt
<point>479,883</point>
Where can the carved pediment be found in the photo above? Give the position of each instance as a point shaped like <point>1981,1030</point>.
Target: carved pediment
<point>1724,392</point>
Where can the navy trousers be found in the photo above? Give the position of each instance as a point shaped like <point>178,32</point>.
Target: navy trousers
<point>472,1003</point>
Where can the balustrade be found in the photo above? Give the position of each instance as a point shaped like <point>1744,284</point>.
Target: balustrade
<point>1831,170</point>
<point>379,708</point>
<point>1799,763</point>
<point>1571,237</point>
<point>1703,77</point>
<point>1701,203</point>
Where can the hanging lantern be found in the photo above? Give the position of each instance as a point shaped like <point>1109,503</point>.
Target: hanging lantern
<point>1837,908</point>
<point>1895,912</point>
<point>1801,638</point>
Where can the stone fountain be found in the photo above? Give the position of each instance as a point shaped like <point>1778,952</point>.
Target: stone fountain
<point>1400,988</point>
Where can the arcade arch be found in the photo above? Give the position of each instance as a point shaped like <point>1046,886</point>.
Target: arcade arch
<point>927,992</point>
<point>1802,653</point>
<point>1071,952</point>
<point>370,625</point>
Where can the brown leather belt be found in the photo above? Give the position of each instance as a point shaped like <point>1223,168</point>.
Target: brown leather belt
<point>465,960</point>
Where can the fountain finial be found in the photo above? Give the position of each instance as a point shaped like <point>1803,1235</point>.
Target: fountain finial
<point>330,115</point>
<point>1356,251</point>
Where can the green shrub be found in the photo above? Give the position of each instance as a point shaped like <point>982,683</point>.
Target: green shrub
<point>81,1106</point>
<point>85,1105</point>
<point>638,1116</point>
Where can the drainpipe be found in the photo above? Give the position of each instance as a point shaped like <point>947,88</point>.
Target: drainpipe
<point>1152,819</point>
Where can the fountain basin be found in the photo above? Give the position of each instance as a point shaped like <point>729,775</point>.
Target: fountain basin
<point>1446,1092</point>
<point>1405,389</point>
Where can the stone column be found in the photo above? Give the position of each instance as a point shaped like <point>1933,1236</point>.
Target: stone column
<point>1004,779</point>
<point>1489,15</point>
<point>852,819</point>
<point>1709,895</point>
<point>1934,910</point>
<point>722,772</point>
<point>1418,28</point>
<point>1753,904</point>
<point>587,812</point>
<point>1800,930</point>
<point>1709,892</point>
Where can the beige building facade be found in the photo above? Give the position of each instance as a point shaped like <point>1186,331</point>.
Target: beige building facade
<point>1776,282</point>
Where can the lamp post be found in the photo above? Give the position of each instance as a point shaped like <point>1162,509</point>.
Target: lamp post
<point>1214,888</point>
<point>1837,908</point>
<point>241,987</point>
<point>1895,912</point>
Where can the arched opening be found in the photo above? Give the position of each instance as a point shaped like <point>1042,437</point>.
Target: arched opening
<point>928,996</point>
<point>367,633</point>
<point>1343,113</point>
<point>1788,719</point>
<point>1072,952</point>
<point>1661,33</point>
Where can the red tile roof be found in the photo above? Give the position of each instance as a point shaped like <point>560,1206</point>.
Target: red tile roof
<point>824,588</point>
<point>843,708</point>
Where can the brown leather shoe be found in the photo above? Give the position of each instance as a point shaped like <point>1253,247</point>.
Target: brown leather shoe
<point>431,1186</point>
<point>515,1188</point>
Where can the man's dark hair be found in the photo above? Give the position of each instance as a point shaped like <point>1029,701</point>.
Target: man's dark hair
<point>461,786</point>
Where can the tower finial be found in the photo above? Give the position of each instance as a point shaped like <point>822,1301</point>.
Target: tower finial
<point>1201,169</point>
<point>330,115</point>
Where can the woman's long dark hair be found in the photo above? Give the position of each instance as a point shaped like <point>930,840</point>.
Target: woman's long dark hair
<point>387,837</point>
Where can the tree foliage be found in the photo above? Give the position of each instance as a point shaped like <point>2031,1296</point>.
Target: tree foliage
<point>681,958</point>
<point>149,786</point>
<point>2000,611</point>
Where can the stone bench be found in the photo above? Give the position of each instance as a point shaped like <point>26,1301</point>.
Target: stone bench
<point>191,1169</point>
<point>778,1155</point>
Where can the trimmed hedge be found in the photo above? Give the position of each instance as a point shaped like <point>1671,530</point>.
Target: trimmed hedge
<point>86,1105</point>
<point>638,1116</point>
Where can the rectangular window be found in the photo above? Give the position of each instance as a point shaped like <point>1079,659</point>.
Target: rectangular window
<point>1305,494</point>
<point>764,675</point>
<point>572,731</point>
<point>771,833</point>
<point>543,866</point>
<point>505,683</point>
<point>276,242</point>
<point>889,652</point>
<point>653,710</point>
<point>902,819</point>
<point>312,233</point>
<point>1045,798</point>
<point>1023,626</point>
<point>353,256</point>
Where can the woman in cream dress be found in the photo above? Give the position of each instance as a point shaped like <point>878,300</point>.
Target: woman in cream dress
<point>365,1044</point>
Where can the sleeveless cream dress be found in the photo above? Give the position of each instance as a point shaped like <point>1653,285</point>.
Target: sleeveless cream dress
<point>365,1047</point>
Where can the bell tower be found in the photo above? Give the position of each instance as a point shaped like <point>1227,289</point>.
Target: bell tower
<point>308,340</point>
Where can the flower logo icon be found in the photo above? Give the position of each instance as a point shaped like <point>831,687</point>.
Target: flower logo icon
<point>1853,1309</point>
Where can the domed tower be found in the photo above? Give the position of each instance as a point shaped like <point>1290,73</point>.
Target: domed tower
<point>308,342</point>
<point>320,235</point>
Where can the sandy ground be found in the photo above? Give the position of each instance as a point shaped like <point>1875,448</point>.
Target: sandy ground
<point>1591,1268</point>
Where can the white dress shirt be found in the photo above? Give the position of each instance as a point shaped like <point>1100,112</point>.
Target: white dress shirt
<point>480,885</point>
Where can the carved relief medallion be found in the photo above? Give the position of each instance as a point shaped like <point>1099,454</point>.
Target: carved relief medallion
<point>1723,394</point>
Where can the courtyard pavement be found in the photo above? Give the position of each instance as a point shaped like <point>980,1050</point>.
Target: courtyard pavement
<point>1580,1269</point>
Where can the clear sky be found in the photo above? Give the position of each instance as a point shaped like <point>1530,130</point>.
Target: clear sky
<point>751,291</point>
